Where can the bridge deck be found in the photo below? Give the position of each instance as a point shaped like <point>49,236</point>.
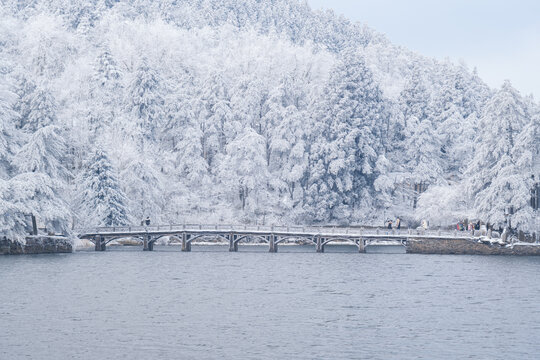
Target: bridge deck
<point>282,231</point>
<point>273,235</point>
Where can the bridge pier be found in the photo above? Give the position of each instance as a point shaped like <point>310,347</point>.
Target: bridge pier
<point>320,246</point>
<point>233,244</point>
<point>361,246</point>
<point>100,244</point>
<point>146,240</point>
<point>273,245</point>
<point>151,245</point>
<point>186,246</point>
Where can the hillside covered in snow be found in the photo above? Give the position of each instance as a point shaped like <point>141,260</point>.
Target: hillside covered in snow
<point>246,111</point>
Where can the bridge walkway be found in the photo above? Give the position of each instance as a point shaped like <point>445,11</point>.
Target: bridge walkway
<point>272,235</point>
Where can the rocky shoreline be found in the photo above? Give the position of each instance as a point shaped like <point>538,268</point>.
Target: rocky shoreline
<point>469,247</point>
<point>36,245</point>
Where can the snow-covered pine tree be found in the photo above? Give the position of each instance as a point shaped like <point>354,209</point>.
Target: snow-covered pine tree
<point>101,200</point>
<point>25,92</point>
<point>142,182</point>
<point>146,102</point>
<point>494,179</point>
<point>188,176</point>
<point>13,218</point>
<point>33,191</point>
<point>384,185</point>
<point>36,189</point>
<point>37,194</point>
<point>8,136</point>
<point>423,153</point>
<point>322,198</point>
<point>44,153</point>
<point>42,110</point>
<point>190,162</point>
<point>107,74</point>
<point>417,157</point>
<point>526,178</point>
<point>106,91</point>
<point>244,172</point>
<point>415,99</point>
<point>250,101</point>
<point>352,121</point>
<point>455,122</point>
<point>178,116</point>
<point>290,158</point>
<point>217,100</point>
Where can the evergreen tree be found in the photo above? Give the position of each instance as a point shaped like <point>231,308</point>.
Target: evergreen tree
<point>142,182</point>
<point>189,159</point>
<point>44,153</point>
<point>351,121</point>
<point>146,102</point>
<point>290,158</point>
<point>423,153</point>
<point>13,219</point>
<point>179,115</point>
<point>8,136</point>
<point>219,110</point>
<point>106,91</point>
<point>415,99</point>
<point>25,92</point>
<point>527,172</point>
<point>39,195</point>
<point>244,172</point>
<point>494,179</point>
<point>42,110</point>
<point>455,122</point>
<point>102,201</point>
<point>106,72</point>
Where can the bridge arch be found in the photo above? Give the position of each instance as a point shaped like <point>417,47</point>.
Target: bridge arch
<point>107,241</point>
<point>355,241</point>
<point>282,239</point>
<point>240,238</point>
<point>401,241</point>
<point>178,238</point>
<point>193,238</point>
<point>153,240</point>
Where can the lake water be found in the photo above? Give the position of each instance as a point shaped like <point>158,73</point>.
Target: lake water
<point>296,304</point>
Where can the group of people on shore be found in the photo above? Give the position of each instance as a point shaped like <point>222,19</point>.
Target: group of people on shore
<point>462,225</point>
<point>393,225</point>
<point>469,226</point>
<point>466,225</point>
<point>389,224</point>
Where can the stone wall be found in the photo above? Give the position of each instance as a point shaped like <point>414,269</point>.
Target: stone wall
<point>36,245</point>
<point>466,247</point>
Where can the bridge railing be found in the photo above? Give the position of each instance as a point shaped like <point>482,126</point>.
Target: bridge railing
<point>286,229</point>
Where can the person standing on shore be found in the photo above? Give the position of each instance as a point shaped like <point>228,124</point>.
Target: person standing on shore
<point>398,223</point>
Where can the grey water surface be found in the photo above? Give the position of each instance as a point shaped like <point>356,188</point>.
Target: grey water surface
<point>296,304</point>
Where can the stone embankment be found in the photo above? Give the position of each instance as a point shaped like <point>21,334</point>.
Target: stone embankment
<point>36,245</point>
<point>469,247</point>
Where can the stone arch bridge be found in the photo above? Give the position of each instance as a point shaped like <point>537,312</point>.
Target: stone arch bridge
<point>236,234</point>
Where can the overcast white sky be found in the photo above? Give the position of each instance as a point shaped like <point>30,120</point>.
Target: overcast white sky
<point>500,37</point>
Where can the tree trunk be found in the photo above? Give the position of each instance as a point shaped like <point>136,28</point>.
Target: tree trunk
<point>34,225</point>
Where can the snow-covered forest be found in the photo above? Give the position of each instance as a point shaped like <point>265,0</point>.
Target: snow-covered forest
<point>244,111</point>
